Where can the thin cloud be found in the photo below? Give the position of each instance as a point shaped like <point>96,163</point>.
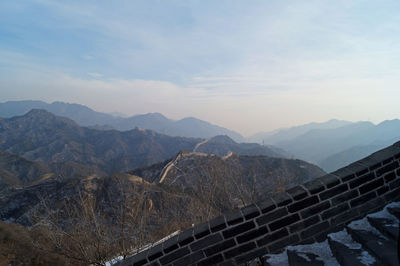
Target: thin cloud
<point>95,75</point>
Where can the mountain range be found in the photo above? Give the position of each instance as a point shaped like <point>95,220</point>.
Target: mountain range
<point>84,116</point>
<point>41,136</point>
<point>276,136</point>
<point>333,145</point>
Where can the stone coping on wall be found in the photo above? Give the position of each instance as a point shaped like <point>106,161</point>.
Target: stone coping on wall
<point>303,214</point>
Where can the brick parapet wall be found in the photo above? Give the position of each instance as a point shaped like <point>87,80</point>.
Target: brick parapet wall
<point>303,214</point>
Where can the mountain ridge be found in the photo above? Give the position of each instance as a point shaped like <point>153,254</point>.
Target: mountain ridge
<point>84,116</point>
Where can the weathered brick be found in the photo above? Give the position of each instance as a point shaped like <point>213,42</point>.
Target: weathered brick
<point>230,232</point>
<point>362,199</point>
<point>394,184</point>
<point>384,162</point>
<point>271,216</point>
<point>344,197</point>
<point>137,260</point>
<point>356,168</point>
<point>190,259</point>
<point>389,177</point>
<point>392,195</point>
<point>250,212</point>
<point>299,205</point>
<point>314,186</point>
<point>252,234</point>
<point>174,255</point>
<point>239,250</point>
<point>362,179</point>
<point>315,209</point>
<point>371,206</point>
<point>266,206</point>
<point>333,192</point>
<point>217,224</point>
<point>251,255</point>
<point>344,217</point>
<point>139,263</point>
<point>329,180</point>
<point>170,244</point>
<point>282,199</point>
<point>284,222</point>
<point>227,263</point>
<point>207,241</point>
<point>362,172</point>
<point>344,174</point>
<point>185,237</point>
<point>297,192</point>
<point>348,177</point>
<point>335,211</point>
<point>304,224</point>
<point>220,247</point>
<point>387,168</point>
<point>233,217</point>
<point>382,190</point>
<point>272,237</point>
<point>201,230</point>
<point>371,186</point>
<point>155,252</point>
<point>211,261</point>
<point>375,166</point>
<point>313,230</point>
<point>279,245</point>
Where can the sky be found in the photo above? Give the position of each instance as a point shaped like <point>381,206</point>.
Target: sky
<point>250,66</point>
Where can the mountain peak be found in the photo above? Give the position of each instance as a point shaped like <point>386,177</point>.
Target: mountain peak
<point>222,139</point>
<point>38,112</point>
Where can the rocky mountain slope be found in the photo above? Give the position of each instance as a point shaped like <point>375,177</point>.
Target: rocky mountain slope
<point>17,171</point>
<point>236,179</point>
<point>208,182</point>
<point>223,145</point>
<point>84,116</point>
<point>40,135</point>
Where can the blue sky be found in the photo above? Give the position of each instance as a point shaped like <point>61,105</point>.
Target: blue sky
<point>246,65</point>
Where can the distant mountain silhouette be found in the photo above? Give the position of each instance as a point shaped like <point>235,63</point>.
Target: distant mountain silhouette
<point>84,116</point>
<point>285,134</point>
<point>334,148</point>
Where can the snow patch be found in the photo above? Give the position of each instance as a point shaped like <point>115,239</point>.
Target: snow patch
<point>364,225</point>
<point>385,214</point>
<point>114,261</point>
<point>322,250</point>
<point>344,238</point>
<point>366,258</point>
<point>280,259</point>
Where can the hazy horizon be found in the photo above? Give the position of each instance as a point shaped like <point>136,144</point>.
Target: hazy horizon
<point>249,66</point>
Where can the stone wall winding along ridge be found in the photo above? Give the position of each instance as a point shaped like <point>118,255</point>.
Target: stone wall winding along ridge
<point>302,214</point>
